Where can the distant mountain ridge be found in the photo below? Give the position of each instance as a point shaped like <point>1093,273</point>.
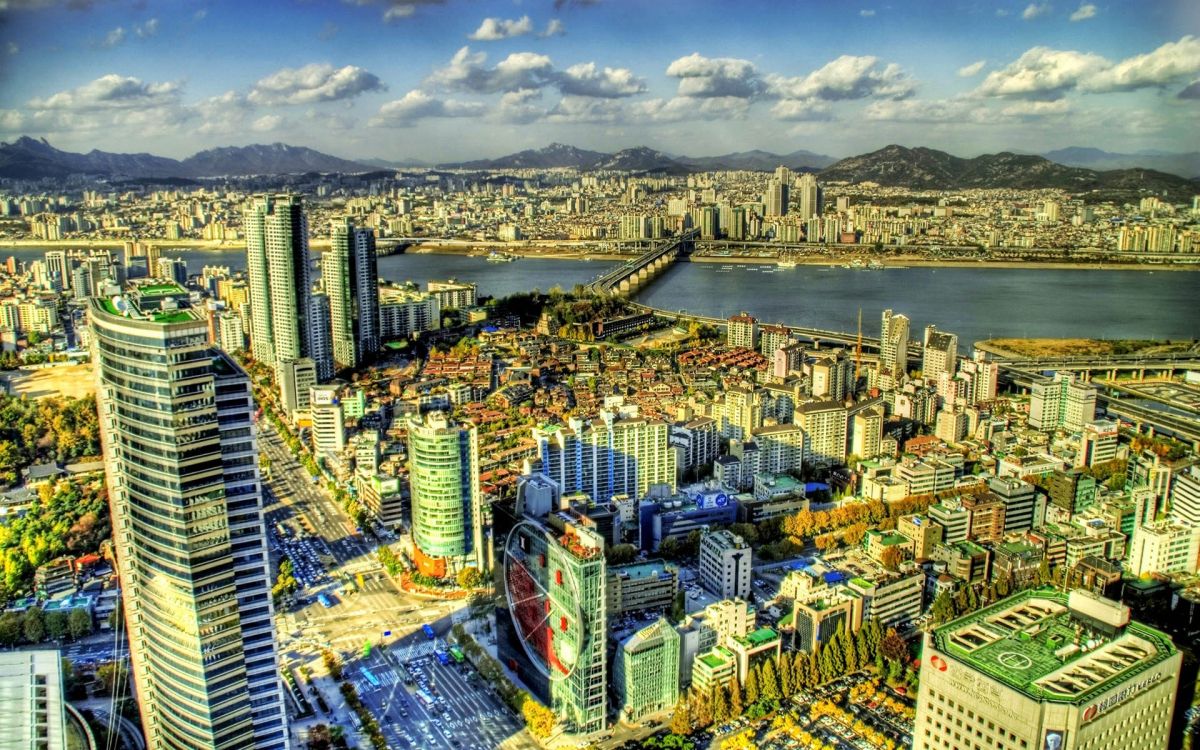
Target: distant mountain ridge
<point>1185,164</point>
<point>643,159</point>
<point>926,168</point>
<point>32,159</point>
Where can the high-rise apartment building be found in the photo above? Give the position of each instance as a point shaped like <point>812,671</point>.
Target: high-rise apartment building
<point>866,433</point>
<point>277,265</point>
<point>1045,670</point>
<point>809,196</point>
<point>618,454</point>
<point>940,354</point>
<point>350,277</point>
<point>1185,497</point>
<point>773,337</point>
<point>776,198</point>
<point>1098,443</point>
<point>320,348</point>
<point>33,713</point>
<point>893,344</point>
<point>824,425</point>
<point>187,508</point>
<point>742,331</point>
<point>646,671</point>
<point>725,563</point>
<point>1063,403</point>
<point>443,476</point>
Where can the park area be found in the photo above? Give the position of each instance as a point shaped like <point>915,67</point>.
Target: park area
<point>1048,348</point>
<point>70,380</point>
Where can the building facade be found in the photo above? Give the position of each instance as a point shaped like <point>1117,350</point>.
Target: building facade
<point>443,475</point>
<point>646,671</point>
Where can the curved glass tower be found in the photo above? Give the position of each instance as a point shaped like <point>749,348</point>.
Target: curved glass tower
<point>181,462</point>
<point>443,475</point>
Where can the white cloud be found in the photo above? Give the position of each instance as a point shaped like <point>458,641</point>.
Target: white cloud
<point>147,29</point>
<point>1042,73</point>
<point>800,110</point>
<point>585,109</point>
<point>201,14</point>
<point>12,48</point>
<point>847,77</point>
<point>866,13</point>
<point>687,108</point>
<point>418,105</point>
<point>1035,10</point>
<point>518,107</point>
<point>1001,12</point>
<point>1170,62</point>
<point>495,29</point>
<point>114,37</point>
<point>223,114</point>
<point>701,76</point>
<point>467,71</point>
<point>1048,74</point>
<point>586,79</point>
<point>267,123</point>
<point>111,91</point>
<point>967,71</point>
<point>912,110</point>
<point>1035,109</point>
<point>396,10</point>
<point>316,82</point>
<point>554,28</point>
<point>1191,91</point>
<point>1084,12</point>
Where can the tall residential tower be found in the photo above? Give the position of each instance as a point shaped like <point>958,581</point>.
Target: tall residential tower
<point>443,475</point>
<point>350,276</point>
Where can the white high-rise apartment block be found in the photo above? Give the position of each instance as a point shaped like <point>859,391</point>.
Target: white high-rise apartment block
<point>809,196</point>
<point>33,713</point>
<point>742,331</point>
<point>725,563</point>
<point>1185,497</point>
<point>893,344</point>
<point>1062,403</point>
<point>1163,547</point>
<point>940,354</point>
<point>328,422</point>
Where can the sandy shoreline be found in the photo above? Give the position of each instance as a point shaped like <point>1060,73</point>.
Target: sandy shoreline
<point>568,253</point>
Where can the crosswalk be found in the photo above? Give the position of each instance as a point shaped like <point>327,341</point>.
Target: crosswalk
<point>419,650</point>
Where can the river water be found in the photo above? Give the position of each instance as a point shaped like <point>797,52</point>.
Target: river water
<point>975,303</point>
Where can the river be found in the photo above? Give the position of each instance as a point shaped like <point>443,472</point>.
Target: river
<point>975,303</point>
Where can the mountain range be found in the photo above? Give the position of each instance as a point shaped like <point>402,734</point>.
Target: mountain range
<point>1187,164</point>
<point>898,166</point>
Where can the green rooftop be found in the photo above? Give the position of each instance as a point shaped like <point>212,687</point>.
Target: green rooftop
<point>760,637</point>
<point>158,290</point>
<point>713,659</point>
<point>1034,643</point>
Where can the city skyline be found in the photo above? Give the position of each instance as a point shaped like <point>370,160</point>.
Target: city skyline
<point>444,81</point>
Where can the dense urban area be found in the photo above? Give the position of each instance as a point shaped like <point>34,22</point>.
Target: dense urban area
<point>293,504</point>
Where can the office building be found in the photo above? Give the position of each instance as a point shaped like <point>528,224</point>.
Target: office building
<point>893,345</point>
<point>277,266</point>
<point>1020,503</point>
<point>1185,497</point>
<point>646,672</point>
<point>328,422</point>
<point>1165,548</point>
<point>892,598</point>
<point>187,507</point>
<point>33,714</point>
<point>940,354</point>
<point>648,586</point>
<point>822,613</point>
<point>924,533</point>
<point>350,277</point>
<point>1063,403</point>
<point>810,197</point>
<point>1098,443</point>
<point>725,563</point>
<point>742,331</point>
<point>443,476</point>
<point>618,454</point>
<point>1045,670</point>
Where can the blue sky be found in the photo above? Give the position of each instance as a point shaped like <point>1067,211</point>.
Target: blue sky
<point>450,79</point>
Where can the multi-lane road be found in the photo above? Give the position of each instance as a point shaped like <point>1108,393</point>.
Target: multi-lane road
<point>320,538</point>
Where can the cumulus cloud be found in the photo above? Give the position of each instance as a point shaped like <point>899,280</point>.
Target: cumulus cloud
<point>1034,109</point>
<point>418,105</point>
<point>1047,74</point>
<point>962,110</point>
<point>111,91</point>
<point>1170,62</point>
<point>681,108</point>
<point>586,79</point>
<point>1035,10</point>
<point>267,123</point>
<point>222,114</point>
<point>967,71</point>
<point>847,77</point>
<point>585,109</point>
<point>1042,73</point>
<point>468,71</point>
<point>701,76</point>
<point>1084,12</point>
<point>553,28</point>
<point>495,29</point>
<point>519,107</point>
<point>799,110</point>
<point>316,82</point>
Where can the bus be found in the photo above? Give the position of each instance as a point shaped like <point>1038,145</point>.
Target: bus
<point>324,599</point>
<point>456,654</point>
<point>425,698</point>
<point>428,631</point>
<point>369,677</point>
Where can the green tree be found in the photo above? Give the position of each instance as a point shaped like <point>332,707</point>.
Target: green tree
<point>112,674</point>
<point>56,625</point>
<point>678,607</point>
<point>79,623</point>
<point>787,675</point>
<point>10,629</point>
<point>736,706</point>
<point>720,704</point>
<point>33,625</point>
<point>768,681</point>
<point>621,554</point>
<point>469,578</point>
<point>750,689</point>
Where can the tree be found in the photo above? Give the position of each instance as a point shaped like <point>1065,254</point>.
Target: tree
<point>56,625</point>
<point>79,624</point>
<point>469,578</point>
<point>10,629</point>
<point>720,704</point>
<point>750,689</point>
<point>285,582</point>
<point>621,554</point>
<point>681,718</point>
<point>893,647</point>
<point>33,625</point>
<point>538,719</point>
<point>701,704</point>
<point>890,558</point>
<point>736,706</point>
<point>678,607</point>
<point>768,682</point>
<point>787,675</point>
<point>112,674</point>
<point>319,737</point>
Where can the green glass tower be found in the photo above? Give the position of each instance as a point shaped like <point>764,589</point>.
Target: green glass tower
<point>646,671</point>
<point>443,475</point>
<point>187,509</point>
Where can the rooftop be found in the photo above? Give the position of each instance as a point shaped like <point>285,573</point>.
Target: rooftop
<point>760,637</point>
<point>1034,643</point>
<point>648,569</point>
